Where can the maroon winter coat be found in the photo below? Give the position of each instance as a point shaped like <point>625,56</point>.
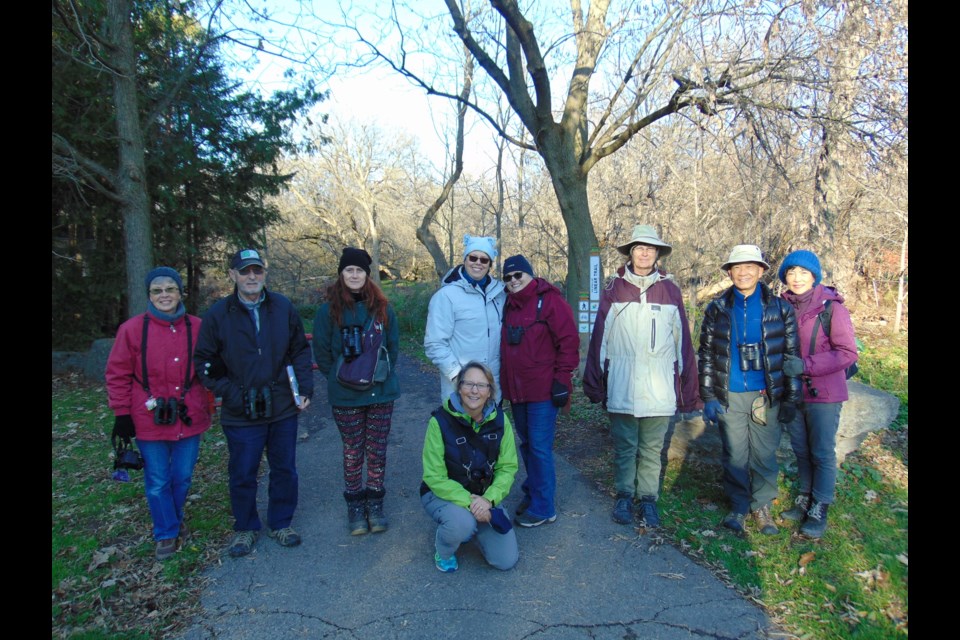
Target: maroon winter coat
<point>826,367</point>
<point>549,349</point>
<point>167,364</point>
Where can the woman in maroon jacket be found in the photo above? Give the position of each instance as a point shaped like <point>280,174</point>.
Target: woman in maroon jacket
<point>813,431</point>
<point>539,349</point>
<point>157,399</point>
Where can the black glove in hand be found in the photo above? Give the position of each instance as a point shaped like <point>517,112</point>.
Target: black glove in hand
<point>788,411</point>
<point>559,394</point>
<point>123,427</point>
<point>214,369</point>
<point>792,365</point>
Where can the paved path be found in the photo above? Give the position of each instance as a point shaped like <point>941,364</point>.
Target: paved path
<point>578,578</point>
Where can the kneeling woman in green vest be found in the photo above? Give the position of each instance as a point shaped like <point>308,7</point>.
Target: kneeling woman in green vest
<point>469,461</point>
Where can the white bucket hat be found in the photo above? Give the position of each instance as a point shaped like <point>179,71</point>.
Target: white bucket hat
<point>745,253</point>
<point>646,234</point>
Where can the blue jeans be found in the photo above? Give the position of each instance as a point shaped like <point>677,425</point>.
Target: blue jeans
<point>457,525</point>
<point>167,476</point>
<point>637,447</point>
<point>750,466</point>
<point>813,435</point>
<point>246,445</point>
<point>535,424</point>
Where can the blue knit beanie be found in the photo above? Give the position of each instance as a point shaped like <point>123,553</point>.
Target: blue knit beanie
<point>517,263</point>
<point>163,272</point>
<point>803,259</point>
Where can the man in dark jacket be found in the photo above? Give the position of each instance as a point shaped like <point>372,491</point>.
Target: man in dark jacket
<point>745,334</point>
<point>246,342</point>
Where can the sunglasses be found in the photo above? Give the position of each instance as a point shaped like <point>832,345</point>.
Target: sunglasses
<point>167,290</point>
<point>480,259</point>
<point>256,270</point>
<point>513,276</point>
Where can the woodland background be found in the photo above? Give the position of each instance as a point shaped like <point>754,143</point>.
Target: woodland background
<point>782,124</point>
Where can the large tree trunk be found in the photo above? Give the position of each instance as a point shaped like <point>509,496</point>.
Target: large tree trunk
<point>570,184</point>
<point>131,171</point>
<point>828,229</point>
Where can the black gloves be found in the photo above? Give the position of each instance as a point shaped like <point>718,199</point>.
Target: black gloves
<point>214,369</point>
<point>559,394</point>
<point>788,411</point>
<point>792,365</point>
<point>123,427</point>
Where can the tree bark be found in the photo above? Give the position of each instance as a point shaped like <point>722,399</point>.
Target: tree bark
<point>131,170</point>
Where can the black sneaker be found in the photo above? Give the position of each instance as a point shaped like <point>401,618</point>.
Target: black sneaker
<point>734,520</point>
<point>527,519</point>
<point>242,543</point>
<point>816,522</point>
<point>623,509</point>
<point>649,517</point>
<point>799,510</point>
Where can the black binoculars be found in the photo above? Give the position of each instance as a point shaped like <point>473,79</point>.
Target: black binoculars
<point>514,334</point>
<point>352,341</point>
<point>750,357</point>
<point>259,403</point>
<point>168,410</point>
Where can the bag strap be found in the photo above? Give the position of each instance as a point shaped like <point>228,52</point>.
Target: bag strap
<point>822,318</point>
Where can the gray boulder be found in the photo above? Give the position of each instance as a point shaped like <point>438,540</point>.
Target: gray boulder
<point>95,364</point>
<point>867,410</point>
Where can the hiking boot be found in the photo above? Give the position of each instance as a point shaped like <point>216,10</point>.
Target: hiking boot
<point>375,517</point>
<point>765,521</point>
<point>527,519</point>
<point>799,510</point>
<point>523,506</point>
<point>166,548</point>
<point>623,509</point>
<point>649,517</point>
<point>816,522</point>
<point>447,565</point>
<point>286,536</point>
<point>356,512</point>
<point>735,521</point>
<point>242,543</point>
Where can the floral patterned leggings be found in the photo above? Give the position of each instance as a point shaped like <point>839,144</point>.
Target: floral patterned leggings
<point>364,430</point>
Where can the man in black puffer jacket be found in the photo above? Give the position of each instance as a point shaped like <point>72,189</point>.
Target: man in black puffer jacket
<point>746,332</point>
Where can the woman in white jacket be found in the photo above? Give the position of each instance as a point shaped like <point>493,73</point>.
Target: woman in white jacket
<point>463,321</point>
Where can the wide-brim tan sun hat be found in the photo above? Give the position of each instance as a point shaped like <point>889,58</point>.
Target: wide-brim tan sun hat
<point>745,253</point>
<point>646,234</point>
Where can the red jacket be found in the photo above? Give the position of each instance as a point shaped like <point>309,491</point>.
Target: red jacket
<point>549,349</point>
<point>167,364</point>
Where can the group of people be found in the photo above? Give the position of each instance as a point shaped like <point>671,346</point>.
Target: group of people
<point>763,361</point>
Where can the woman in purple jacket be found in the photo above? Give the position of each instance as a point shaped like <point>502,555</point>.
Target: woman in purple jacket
<point>539,349</point>
<point>823,370</point>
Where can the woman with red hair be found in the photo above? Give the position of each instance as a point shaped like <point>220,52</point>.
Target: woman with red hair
<point>362,417</point>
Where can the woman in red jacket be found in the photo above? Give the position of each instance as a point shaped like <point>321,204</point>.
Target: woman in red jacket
<point>157,399</point>
<point>539,349</point>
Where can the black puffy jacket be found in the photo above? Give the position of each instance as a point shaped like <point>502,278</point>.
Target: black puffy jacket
<point>779,336</point>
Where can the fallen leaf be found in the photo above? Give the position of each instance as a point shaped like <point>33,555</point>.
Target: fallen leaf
<point>100,557</point>
<point>902,557</point>
<point>830,587</point>
<point>807,558</point>
<point>708,533</point>
<point>870,495</point>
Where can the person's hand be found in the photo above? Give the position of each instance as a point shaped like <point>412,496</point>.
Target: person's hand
<point>304,403</point>
<point>123,427</point>
<point>559,394</point>
<point>792,365</point>
<point>711,412</point>
<point>480,508</point>
<point>788,412</point>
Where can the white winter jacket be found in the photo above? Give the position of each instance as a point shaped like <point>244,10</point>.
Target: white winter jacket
<point>463,324</point>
